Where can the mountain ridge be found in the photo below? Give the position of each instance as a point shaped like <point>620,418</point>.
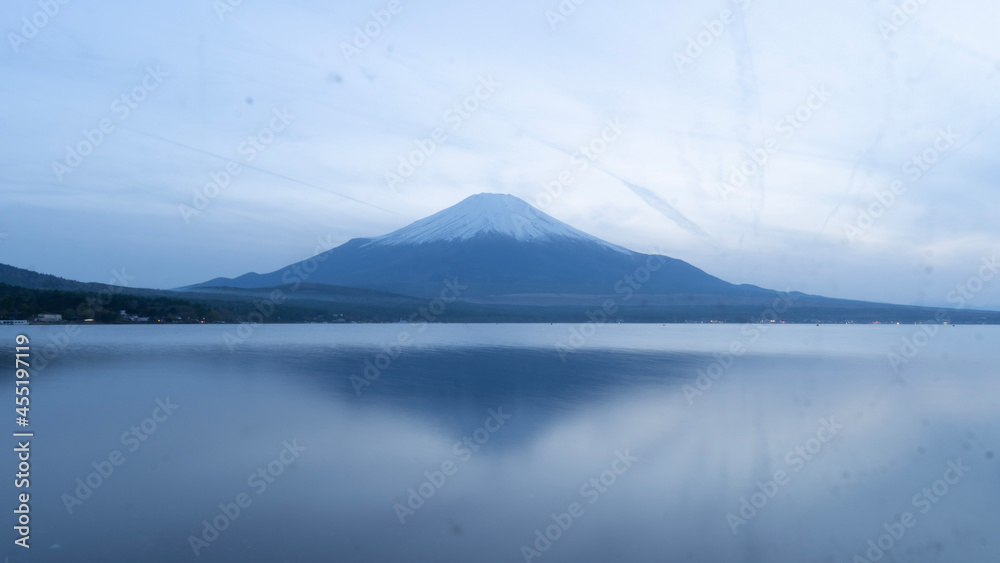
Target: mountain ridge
<point>499,245</point>
<point>509,253</point>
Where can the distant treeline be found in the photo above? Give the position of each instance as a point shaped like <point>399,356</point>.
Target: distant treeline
<point>105,306</point>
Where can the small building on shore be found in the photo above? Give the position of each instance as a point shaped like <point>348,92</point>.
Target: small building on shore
<point>49,318</point>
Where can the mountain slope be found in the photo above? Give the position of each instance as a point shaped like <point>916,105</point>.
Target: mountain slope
<point>522,264</point>
<point>501,248</point>
<point>12,275</point>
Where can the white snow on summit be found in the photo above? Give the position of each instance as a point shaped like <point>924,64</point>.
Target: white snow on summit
<point>489,214</point>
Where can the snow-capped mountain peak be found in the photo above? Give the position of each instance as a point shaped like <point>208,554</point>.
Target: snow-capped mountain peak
<point>486,215</point>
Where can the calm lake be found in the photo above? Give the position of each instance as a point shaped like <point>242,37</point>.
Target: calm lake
<point>482,443</point>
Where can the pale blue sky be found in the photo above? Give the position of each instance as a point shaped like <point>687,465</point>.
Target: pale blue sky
<point>879,98</point>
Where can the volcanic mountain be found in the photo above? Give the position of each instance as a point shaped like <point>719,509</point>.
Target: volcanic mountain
<point>522,264</point>
<point>504,250</point>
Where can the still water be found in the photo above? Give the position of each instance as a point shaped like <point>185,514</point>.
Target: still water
<point>481,443</point>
